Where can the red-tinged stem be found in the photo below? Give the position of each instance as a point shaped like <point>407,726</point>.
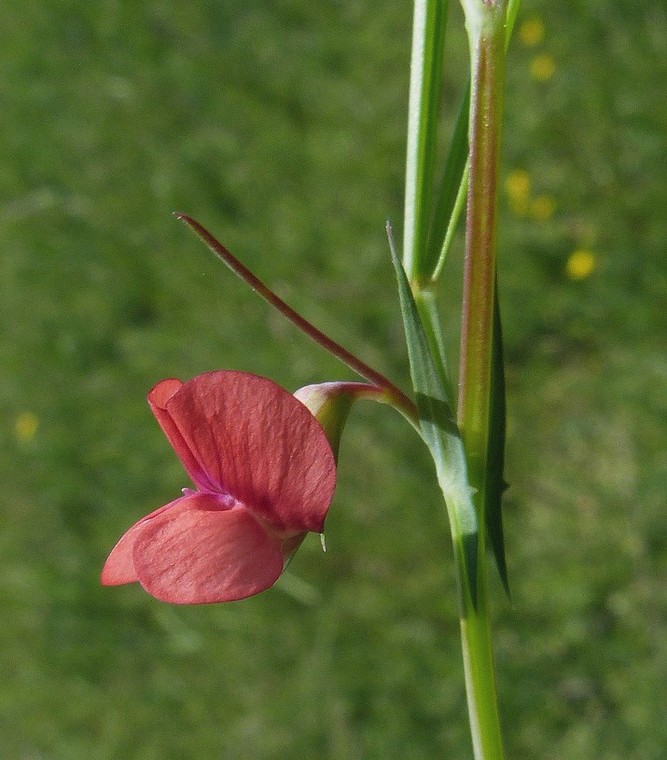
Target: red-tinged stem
<point>394,395</point>
<point>485,21</point>
<point>480,258</point>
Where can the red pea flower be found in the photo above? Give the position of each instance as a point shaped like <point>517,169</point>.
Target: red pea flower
<point>264,473</point>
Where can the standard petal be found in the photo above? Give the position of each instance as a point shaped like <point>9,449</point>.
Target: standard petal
<point>198,553</point>
<point>253,440</point>
<point>119,567</point>
<point>158,398</point>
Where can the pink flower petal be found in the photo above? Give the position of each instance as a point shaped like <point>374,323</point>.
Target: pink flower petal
<point>119,567</point>
<point>157,399</point>
<point>244,435</point>
<point>199,553</point>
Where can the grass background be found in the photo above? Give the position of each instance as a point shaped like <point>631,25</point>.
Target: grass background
<point>281,126</point>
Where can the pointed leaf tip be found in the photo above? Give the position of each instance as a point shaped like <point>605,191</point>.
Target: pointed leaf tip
<point>495,482</point>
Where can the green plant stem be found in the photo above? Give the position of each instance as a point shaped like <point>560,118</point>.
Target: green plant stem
<point>486,29</point>
<point>479,668</point>
<point>480,256</point>
<point>464,484</point>
<point>475,622</point>
<point>428,40</point>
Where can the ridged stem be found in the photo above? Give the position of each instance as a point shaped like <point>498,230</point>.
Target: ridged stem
<point>486,30</point>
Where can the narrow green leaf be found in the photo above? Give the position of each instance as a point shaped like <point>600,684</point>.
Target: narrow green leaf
<point>440,433</point>
<point>453,175</point>
<point>510,19</point>
<point>454,219</point>
<point>426,82</point>
<point>425,299</point>
<point>495,482</point>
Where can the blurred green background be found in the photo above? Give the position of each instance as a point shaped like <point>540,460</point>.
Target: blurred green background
<point>281,126</point>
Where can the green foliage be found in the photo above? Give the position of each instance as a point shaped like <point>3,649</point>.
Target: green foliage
<point>424,101</point>
<point>437,425</point>
<point>279,126</point>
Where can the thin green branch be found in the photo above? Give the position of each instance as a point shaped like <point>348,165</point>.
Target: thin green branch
<point>454,219</point>
<point>450,199</point>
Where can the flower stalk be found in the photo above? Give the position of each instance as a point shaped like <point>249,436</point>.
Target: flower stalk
<point>385,391</point>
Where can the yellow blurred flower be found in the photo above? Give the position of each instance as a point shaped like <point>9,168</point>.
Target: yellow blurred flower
<point>542,207</point>
<point>580,264</point>
<point>25,426</point>
<point>531,32</point>
<point>517,189</point>
<point>542,67</point>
